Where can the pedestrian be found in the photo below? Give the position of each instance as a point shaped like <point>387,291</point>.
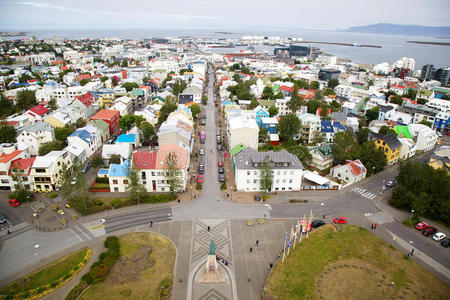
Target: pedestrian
<point>271,265</point>
<point>257,243</point>
<point>412,251</point>
<point>9,231</point>
<point>251,249</point>
<point>407,255</point>
<point>209,228</point>
<point>371,226</point>
<point>151,224</point>
<point>375,226</point>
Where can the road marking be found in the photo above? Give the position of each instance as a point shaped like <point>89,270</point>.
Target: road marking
<point>96,227</point>
<point>71,230</point>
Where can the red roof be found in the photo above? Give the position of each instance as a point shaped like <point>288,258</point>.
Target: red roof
<point>22,164</point>
<point>39,110</point>
<point>144,160</point>
<point>12,123</point>
<point>57,62</point>
<point>105,114</point>
<point>287,88</point>
<point>4,158</point>
<point>398,86</point>
<point>86,99</point>
<point>64,68</point>
<point>82,76</point>
<point>356,167</point>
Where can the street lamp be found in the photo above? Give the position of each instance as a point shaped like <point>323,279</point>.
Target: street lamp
<point>321,205</point>
<point>190,187</point>
<point>410,215</point>
<point>373,170</point>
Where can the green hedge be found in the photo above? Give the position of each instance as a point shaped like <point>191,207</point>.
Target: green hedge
<point>101,180</point>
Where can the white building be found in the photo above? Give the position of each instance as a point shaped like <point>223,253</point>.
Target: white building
<point>310,124</point>
<point>424,137</point>
<point>287,170</point>
<point>46,170</point>
<point>408,148</point>
<point>242,129</point>
<point>34,136</point>
<point>406,63</point>
<point>351,172</point>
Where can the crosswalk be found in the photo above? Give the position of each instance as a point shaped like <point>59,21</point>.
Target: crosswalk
<point>364,193</point>
<point>82,233</point>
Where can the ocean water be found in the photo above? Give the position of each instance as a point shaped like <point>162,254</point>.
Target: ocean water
<point>393,46</point>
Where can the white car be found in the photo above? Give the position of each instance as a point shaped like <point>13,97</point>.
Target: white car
<point>202,151</point>
<point>438,236</point>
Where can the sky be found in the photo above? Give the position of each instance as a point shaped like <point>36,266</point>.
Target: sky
<point>215,14</point>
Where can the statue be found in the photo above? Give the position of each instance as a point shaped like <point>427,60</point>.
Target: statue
<point>212,248</point>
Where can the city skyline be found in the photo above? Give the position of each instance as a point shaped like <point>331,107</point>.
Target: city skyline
<point>202,14</point>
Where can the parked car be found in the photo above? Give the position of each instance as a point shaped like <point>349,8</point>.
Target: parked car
<point>340,220</point>
<point>220,163</point>
<point>14,202</point>
<point>2,219</point>
<point>74,181</point>
<point>201,151</point>
<point>221,170</point>
<point>85,168</point>
<point>219,147</point>
<point>317,223</point>
<point>221,177</point>
<point>202,141</point>
<point>391,183</point>
<point>200,178</point>
<point>218,140</point>
<point>218,132</point>
<point>421,226</point>
<point>429,231</point>
<point>439,236</point>
<point>201,169</point>
<point>204,117</point>
<point>445,243</point>
<point>203,122</point>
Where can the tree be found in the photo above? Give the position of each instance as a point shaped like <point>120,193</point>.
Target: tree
<point>51,146</point>
<point>7,134</point>
<point>61,133</point>
<point>422,101</point>
<point>80,123</point>
<point>397,100</point>
<point>301,152</point>
<point>136,188</point>
<point>296,101</point>
<point>263,135</point>
<point>386,130</point>
<point>178,87</point>
<point>266,176</point>
<point>411,94</point>
<point>124,63</point>
<point>52,104</point>
<point>18,177</point>
<point>195,109</point>
<point>371,157</point>
<point>267,93</point>
<point>84,81</point>
<point>324,111</point>
<point>313,105</point>
<point>253,104</point>
<point>332,83</point>
<point>147,130</point>
<point>372,114</point>
<point>97,161</point>
<point>328,92</point>
<point>26,99</point>
<point>165,110</point>
<point>244,95</point>
<point>115,159</point>
<point>145,79</point>
<point>343,144</point>
<point>126,122</point>
<point>335,106</point>
<point>273,111</point>
<point>103,78</point>
<point>314,85</point>
<point>426,123</point>
<point>288,127</point>
<point>362,135</point>
<point>318,137</point>
<point>6,108</point>
<point>114,81</point>
<point>138,121</point>
<point>173,173</point>
<point>129,86</point>
<point>278,96</point>
<point>64,182</point>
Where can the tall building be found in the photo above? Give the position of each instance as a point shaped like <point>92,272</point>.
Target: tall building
<point>427,72</point>
<point>327,74</point>
<point>430,73</point>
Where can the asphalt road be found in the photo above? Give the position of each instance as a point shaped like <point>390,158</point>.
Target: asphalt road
<point>137,218</point>
<point>14,215</point>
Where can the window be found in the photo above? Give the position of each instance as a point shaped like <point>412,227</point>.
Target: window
<point>255,181</point>
<point>248,172</point>
<point>248,180</point>
<point>162,189</point>
<point>115,181</point>
<point>292,172</point>
<point>116,189</point>
<point>143,175</point>
<point>125,181</point>
<point>2,172</point>
<point>153,173</point>
<point>254,173</point>
<point>285,173</point>
<point>386,150</point>
<point>290,180</point>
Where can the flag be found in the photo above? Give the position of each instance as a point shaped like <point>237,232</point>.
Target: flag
<point>288,241</point>
<point>309,223</point>
<point>284,248</point>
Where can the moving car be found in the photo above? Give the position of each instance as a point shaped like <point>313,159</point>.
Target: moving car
<point>221,170</point>
<point>421,226</point>
<point>391,183</point>
<point>429,231</point>
<point>317,223</point>
<point>14,202</point>
<point>201,151</point>
<point>446,243</point>
<point>439,236</point>
<point>220,163</point>
<point>221,177</point>
<point>85,168</point>
<point>201,169</point>
<point>2,219</point>
<point>200,178</point>
<point>340,220</point>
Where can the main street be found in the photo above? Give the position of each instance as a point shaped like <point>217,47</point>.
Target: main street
<point>27,249</point>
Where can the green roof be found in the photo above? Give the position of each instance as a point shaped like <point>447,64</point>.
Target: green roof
<point>268,103</point>
<point>402,131</point>
<point>137,92</point>
<point>426,93</point>
<point>238,148</point>
<point>100,124</point>
<point>158,98</point>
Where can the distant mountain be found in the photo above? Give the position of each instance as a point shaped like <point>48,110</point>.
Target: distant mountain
<point>387,28</point>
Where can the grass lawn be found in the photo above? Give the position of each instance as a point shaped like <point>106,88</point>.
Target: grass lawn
<point>124,282</point>
<point>46,274</point>
<point>353,262</point>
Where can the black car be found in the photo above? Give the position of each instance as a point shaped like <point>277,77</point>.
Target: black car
<point>221,177</point>
<point>2,219</point>
<point>204,117</point>
<point>201,169</point>
<point>202,141</point>
<point>219,147</point>
<point>221,170</point>
<point>445,243</point>
<point>317,223</point>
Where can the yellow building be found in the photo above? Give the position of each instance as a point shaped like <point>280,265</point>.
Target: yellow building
<point>58,119</point>
<point>440,159</point>
<point>390,146</point>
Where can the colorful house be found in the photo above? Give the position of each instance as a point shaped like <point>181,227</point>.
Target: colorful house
<point>260,113</point>
<point>109,116</point>
<point>390,146</point>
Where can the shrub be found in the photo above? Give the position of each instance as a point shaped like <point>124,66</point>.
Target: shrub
<point>87,278</point>
<point>198,186</point>
<point>66,276</point>
<point>26,294</point>
<point>101,180</point>
<point>77,290</point>
<point>116,202</point>
<point>97,201</point>
<point>53,195</point>
<point>223,186</point>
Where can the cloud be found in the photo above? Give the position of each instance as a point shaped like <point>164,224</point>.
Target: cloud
<point>48,5</point>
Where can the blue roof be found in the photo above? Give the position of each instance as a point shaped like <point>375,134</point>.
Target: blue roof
<point>338,126</point>
<point>116,170</point>
<point>226,102</point>
<point>326,126</point>
<point>82,134</point>
<point>126,138</point>
<point>103,172</point>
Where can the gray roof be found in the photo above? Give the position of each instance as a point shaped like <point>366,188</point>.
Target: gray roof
<point>247,158</point>
<point>385,108</point>
<point>392,141</point>
<point>339,116</point>
<point>38,126</point>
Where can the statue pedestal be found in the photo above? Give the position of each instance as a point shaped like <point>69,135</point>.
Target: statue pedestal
<point>212,273</point>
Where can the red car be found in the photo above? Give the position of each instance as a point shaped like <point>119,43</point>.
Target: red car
<point>200,178</point>
<point>421,226</point>
<point>429,231</point>
<point>14,202</point>
<point>220,163</point>
<point>340,220</point>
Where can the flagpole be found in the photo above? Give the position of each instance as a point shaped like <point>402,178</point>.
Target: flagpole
<point>301,231</point>
<point>289,246</point>
<point>284,247</point>
<point>295,236</point>
<point>309,222</point>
